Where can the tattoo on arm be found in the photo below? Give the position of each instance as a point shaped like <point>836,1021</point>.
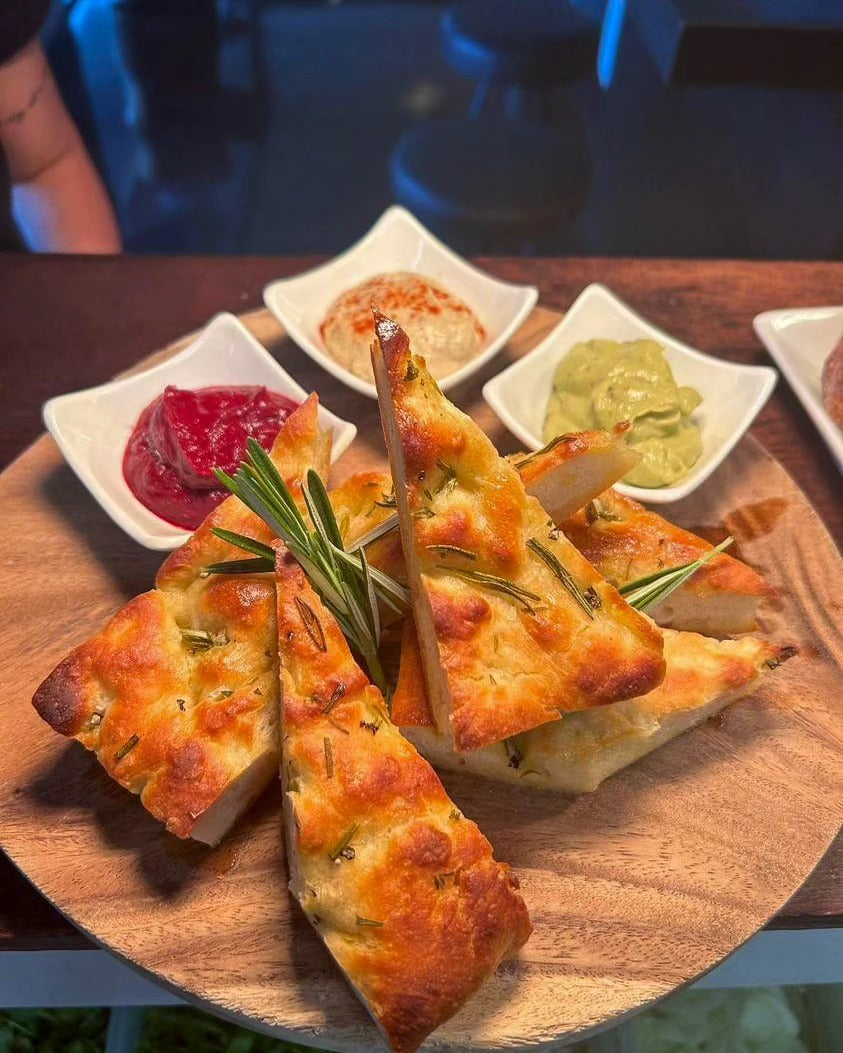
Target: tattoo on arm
<point>17,116</point>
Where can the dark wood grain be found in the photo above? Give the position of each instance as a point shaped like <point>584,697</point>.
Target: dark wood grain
<point>67,323</point>
<point>789,44</point>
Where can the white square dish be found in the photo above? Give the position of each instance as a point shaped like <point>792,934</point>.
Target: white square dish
<point>93,426</point>
<point>732,395</point>
<point>397,242</point>
<point>799,341</point>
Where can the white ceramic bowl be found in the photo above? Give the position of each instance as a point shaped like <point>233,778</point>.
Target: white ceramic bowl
<point>732,394</point>
<point>92,427</point>
<point>397,242</point>
<point>799,341</point>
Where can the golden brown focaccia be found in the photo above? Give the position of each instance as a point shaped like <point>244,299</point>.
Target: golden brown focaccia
<point>402,888</point>
<point>563,476</point>
<point>178,695</point>
<point>515,626</point>
<point>573,468</point>
<point>575,754</point>
<point>625,541</point>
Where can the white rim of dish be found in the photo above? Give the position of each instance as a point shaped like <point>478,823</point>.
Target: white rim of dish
<point>363,387</point>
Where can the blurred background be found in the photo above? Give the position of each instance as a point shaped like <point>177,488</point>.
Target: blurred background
<point>633,127</point>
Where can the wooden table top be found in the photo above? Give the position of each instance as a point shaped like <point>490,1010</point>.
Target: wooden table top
<point>68,323</point>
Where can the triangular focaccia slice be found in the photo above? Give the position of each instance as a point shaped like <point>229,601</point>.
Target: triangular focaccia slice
<point>515,626</point>
<point>622,540</point>
<point>178,695</point>
<point>573,468</point>
<point>402,888</point>
<point>575,754</point>
<point>563,476</point>
<point>625,541</point>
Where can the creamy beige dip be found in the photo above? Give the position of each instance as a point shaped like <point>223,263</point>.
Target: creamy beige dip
<point>441,327</point>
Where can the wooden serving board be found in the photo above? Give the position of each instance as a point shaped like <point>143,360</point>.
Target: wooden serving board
<point>633,890</point>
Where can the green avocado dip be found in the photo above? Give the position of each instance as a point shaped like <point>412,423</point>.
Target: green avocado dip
<point>602,382</point>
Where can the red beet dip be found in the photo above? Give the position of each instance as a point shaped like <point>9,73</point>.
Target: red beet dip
<point>183,435</point>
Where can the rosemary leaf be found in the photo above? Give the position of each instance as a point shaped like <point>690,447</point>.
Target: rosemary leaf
<point>343,846</point>
<point>785,653</point>
<point>202,640</point>
<point>451,550</point>
<point>381,530</point>
<point>654,588</point>
<point>369,923</point>
<point>259,565</point>
<point>321,512</point>
<point>551,560</point>
<point>311,624</point>
<point>544,449</point>
<point>448,481</point>
<point>336,695</point>
<point>127,747</point>
<point>329,757</point>
<point>594,511</point>
<point>248,544</point>
<point>492,581</point>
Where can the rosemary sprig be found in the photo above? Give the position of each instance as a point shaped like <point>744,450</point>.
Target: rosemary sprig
<point>564,576</point>
<point>492,581</point>
<point>348,586</point>
<point>646,592</point>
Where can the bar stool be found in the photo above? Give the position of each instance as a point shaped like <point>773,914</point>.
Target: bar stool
<point>525,47</point>
<point>491,184</point>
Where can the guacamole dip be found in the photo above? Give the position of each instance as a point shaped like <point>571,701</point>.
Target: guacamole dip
<point>602,382</point>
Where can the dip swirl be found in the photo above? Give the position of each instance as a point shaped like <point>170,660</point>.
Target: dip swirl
<point>182,436</point>
<point>441,328</point>
<point>602,382</point>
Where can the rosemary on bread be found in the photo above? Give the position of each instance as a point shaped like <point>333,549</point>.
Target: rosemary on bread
<point>350,588</point>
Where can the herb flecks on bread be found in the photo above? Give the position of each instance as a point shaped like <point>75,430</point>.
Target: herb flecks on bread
<point>400,885</point>
<point>515,626</point>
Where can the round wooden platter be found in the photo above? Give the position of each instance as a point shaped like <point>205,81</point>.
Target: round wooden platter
<point>633,890</point>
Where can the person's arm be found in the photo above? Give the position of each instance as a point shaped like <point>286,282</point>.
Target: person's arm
<point>58,198</point>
